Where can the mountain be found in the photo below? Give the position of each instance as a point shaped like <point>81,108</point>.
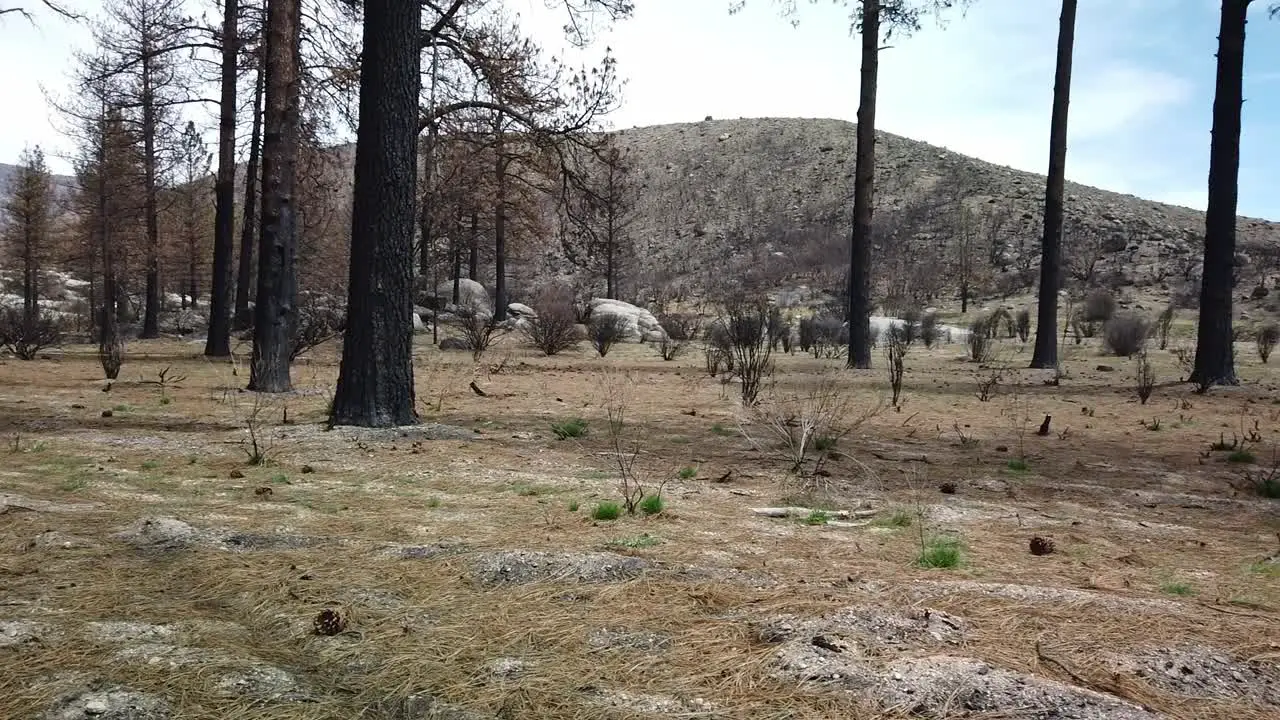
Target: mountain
<point>718,190</point>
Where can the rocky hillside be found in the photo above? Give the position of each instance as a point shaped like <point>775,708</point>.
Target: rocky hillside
<point>743,186</point>
<point>722,198</point>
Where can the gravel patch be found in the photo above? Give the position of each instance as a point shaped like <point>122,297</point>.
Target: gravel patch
<point>944,686</point>
<point>108,704</point>
<point>14,633</point>
<point>521,566</point>
<point>604,639</point>
<point>1204,672</point>
<point>124,631</point>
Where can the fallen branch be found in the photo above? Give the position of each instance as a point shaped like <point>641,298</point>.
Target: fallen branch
<point>804,512</point>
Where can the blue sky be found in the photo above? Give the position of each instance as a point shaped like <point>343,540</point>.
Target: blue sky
<point>1141,97</point>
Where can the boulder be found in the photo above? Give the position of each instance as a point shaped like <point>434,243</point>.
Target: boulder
<point>520,310</point>
<point>639,323</point>
<point>471,294</point>
<point>453,343</point>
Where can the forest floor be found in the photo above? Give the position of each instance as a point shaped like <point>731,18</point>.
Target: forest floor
<point>149,570</point>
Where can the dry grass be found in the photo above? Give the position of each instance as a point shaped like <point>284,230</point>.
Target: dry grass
<point>1131,511</point>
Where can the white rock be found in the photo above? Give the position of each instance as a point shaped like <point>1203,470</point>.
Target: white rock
<point>639,323</point>
<point>521,310</point>
<point>470,294</point>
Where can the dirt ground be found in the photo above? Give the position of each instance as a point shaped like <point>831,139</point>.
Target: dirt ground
<point>149,570</point>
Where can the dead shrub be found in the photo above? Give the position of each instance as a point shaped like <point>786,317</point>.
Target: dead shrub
<point>1023,323</point>
<point>746,324</point>
<point>315,323</point>
<point>824,336</point>
<point>799,422</point>
<point>605,331</point>
<point>1126,334</point>
<point>895,353</point>
<point>1185,357</point>
<point>554,329</point>
<point>1266,339</point>
<point>981,346</point>
<point>910,326</point>
<point>1164,323</point>
<point>680,329</point>
<point>1099,306</point>
<point>25,336</point>
<point>1144,378</point>
<point>929,329</point>
<point>477,329</point>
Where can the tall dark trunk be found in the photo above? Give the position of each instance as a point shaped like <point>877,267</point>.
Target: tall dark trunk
<point>244,274</point>
<point>1045,354</point>
<point>218,342</point>
<point>1215,357</point>
<point>500,227</point>
<point>863,192</point>
<point>473,249</point>
<point>151,311</point>
<point>375,383</point>
<point>610,274</point>
<point>457,271</point>
<point>277,273</point>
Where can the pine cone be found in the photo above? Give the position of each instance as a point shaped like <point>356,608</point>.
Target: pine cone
<point>947,488</point>
<point>1041,546</point>
<point>329,622</point>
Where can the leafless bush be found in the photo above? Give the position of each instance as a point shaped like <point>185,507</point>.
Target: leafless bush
<point>910,326</point>
<point>554,329</point>
<point>1267,337</point>
<point>1144,378</point>
<point>980,342</point>
<point>1001,318</point>
<point>824,336</point>
<point>631,485</point>
<point>812,419</point>
<point>989,380</point>
<point>111,354</point>
<point>26,336</point>
<point>680,329</point>
<point>1164,323</point>
<point>779,331</point>
<point>605,331</point>
<point>1185,357</point>
<point>746,324</point>
<point>1023,323</point>
<point>929,329</point>
<point>1099,306</point>
<point>478,330</point>
<point>895,353</point>
<point>316,323</point>
<point>1126,334</point>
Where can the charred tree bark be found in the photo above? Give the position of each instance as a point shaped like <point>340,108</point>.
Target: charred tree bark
<point>863,193</point>
<point>473,249</point>
<point>375,384</point>
<point>277,273</point>
<point>218,342</point>
<point>244,274</point>
<point>500,230</point>
<point>1215,357</point>
<point>151,310</point>
<point>1045,354</point>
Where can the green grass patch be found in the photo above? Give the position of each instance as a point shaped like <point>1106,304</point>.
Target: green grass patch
<point>606,511</point>
<point>722,431</point>
<point>688,473</point>
<point>433,502</point>
<point>652,504</point>
<point>1017,465</point>
<point>634,543</point>
<point>573,506</point>
<point>817,517</point>
<point>73,484</point>
<point>150,464</point>
<point>1266,568</point>
<point>1177,588</point>
<point>574,428</point>
<point>824,443</point>
<point>899,518</point>
<point>1241,456</point>
<point>941,552</point>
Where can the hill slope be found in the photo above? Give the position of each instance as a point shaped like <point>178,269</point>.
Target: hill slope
<point>742,186</point>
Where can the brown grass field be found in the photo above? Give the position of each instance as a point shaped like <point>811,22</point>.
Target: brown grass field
<point>1161,599</point>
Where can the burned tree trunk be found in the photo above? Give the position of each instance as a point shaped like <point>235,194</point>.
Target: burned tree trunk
<point>218,342</point>
<point>244,274</point>
<point>863,193</point>
<point>277,275</point>
<point>1046,349</point>
<point>1215,357</point>
<point>375,385</point>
